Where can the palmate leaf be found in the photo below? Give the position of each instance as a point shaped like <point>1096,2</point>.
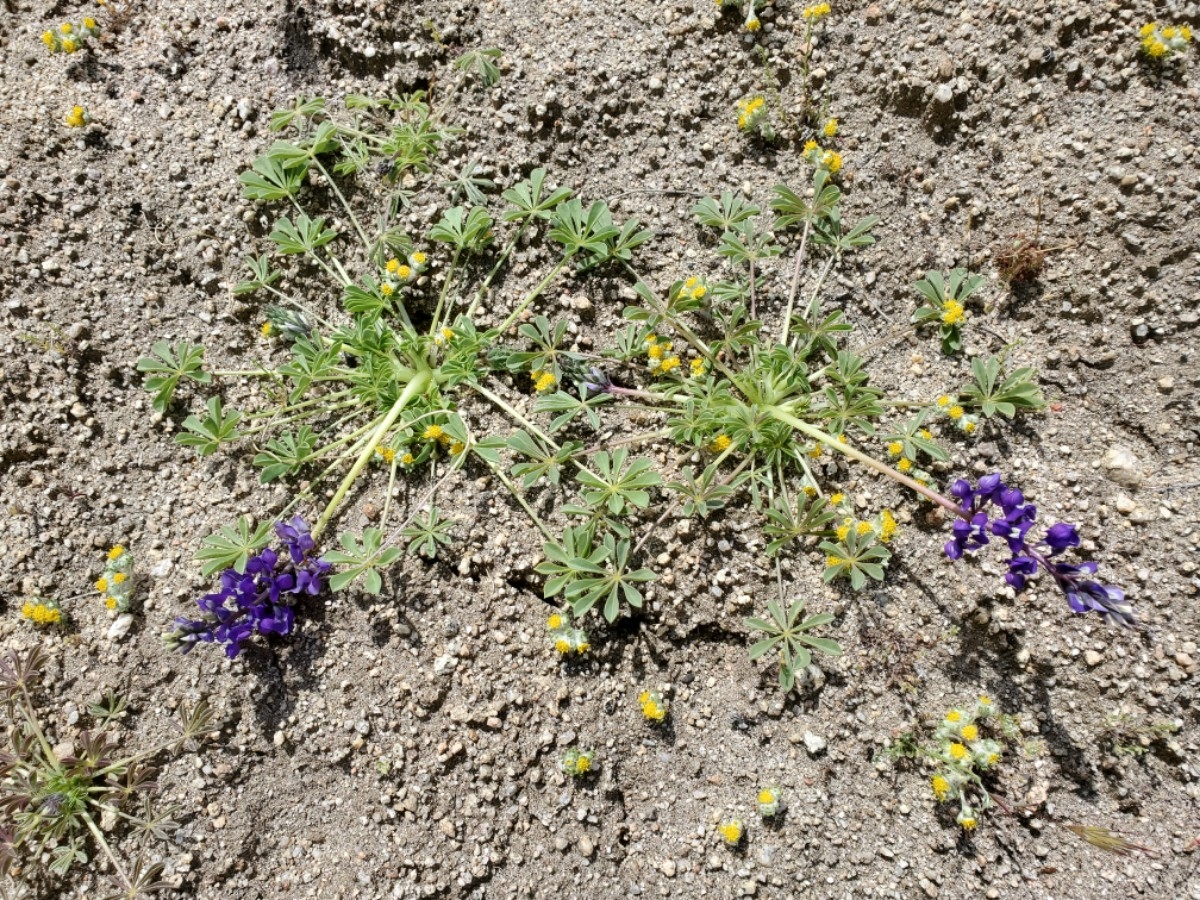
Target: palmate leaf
<point>463,230</point>
<point>270,179</point>
<point>786,524</point>
<point>616,486</point>
<point>426,534</point>
<point>209,433</point>
<point>286,454</point>
<point>568,559</point>
<point>788,635</point>
<point>303,236</point>
<point>168,366</point>
<point>481,63</point>
<point>859,557</point>
<point>581,231</point>
<point>568,407</point>
<point>541,463</point>
<point>724,212</point>
<point>261,275</point>
<point>232,546</point>
<point>527,200</point>
<point>364,559</point>
<point>991,395</point>
<point>611,582</point>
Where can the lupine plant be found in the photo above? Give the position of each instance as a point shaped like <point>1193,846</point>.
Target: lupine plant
<point>55,805</point>
<point>757,389</point>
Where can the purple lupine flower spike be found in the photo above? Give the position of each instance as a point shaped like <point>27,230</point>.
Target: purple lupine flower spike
<point>976,520</point>
<point>260,599</point>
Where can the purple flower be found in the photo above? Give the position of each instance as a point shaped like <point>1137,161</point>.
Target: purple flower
<point>597,382</point>
<point>1014,523</point>
<point>260,599</point>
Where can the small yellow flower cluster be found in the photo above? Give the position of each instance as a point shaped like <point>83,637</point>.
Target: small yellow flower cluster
<point>542,381</point>
<point>829,160</point>
<point>953,313</point>
<point>1165,41</point>
<point>768,801</point>
<point>966,423</point>
<point>396,274</point>
<point>443,337</point>
<point>699,367</point>
<point>751,112</point>
<point>42,612</point>
<point>882,526</point>
<point>961,751</point>
<point>720,443</point>
<point>654,707</point>
<point>731,832</point>
<point>577,762</point>
<point>68,38</point>
<point>662,360</point>
<point>116,583</point>
<point>568,638</point>
<point>439,434</point>
<point>694,288</point>
<point>831,128</point>
<point>77,117</point>
<point>816,11</point>
<point>387,454</point>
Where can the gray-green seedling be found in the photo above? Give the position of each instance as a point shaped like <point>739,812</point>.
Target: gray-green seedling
<point>57,802</point>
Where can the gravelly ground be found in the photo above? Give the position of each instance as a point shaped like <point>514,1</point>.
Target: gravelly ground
<point>959,123</point>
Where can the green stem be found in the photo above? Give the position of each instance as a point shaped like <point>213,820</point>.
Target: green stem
<point>545,282</point>
<point>344,439</point>
<point>412,390</point>
<point>387,500</point>
<point>32,719</point>
<point>325,398</point>
<point>512,245</point>
<point>437,312</point>
<point>244,373</point>
<point>795,288</point>
<point>307,414</point>
<point>99,836</point>
<point>828,440</point>
<point>512,412</point>
<point>362,236</point>
<point>341,279</point>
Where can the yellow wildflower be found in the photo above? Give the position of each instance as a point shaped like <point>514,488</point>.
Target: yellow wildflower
<point>816,451</point>
<point>895,448</point>
<point>905,465</point>
<point>457,448</point>
<point>69,46</point>
<point>833,560</point>
<point>810,491</point>
<point>48,39</point>
<point>831,128</point>
<point>954,716</point>
<point>543,381</point>
<point>956,412</point>
<point>102,585</point>
<point>698,367</point>
<point>404,272</point>
<point>583,647</point>
<point>116,552</point>
<point>958,751</point>
<point>418,258</point>
<point>119,577</point>
<point>66,28</point>
<point>393,265</point>
<point>863,528</point>
<point>753,24</point>
<point>832,160</point>
<point>386,453</point>
<point>970,732</point>
<point>837,498</point>
<point>809,146</point>
<point>887,526</point>
<point>926,433</point>
<point>941,787</point>
<point>562,645</point>
<point>407,459</point>
<point>816,11</point>
<point>970,427</point>
<point>89,23</point>
<point>386,289</point>
<point>670,363</point>
<point>843,530</point>
<point>952,312</point>
<point>993,758</point>
<point>731,832</point>
<point>583,763</point>
<point>433,433</point>
<point>41,614</point>
<point>266,329</point>
<point>943,401</point>
<point>721,443</point>
<point>967,820</point>
<point>77,117</point>
<point>110,602</point>
<point>1147,29</point>
<point>766,795</point>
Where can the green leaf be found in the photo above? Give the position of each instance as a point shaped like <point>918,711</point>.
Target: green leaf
<point>231,547</point>
<point>528,203</point>
<point>480,62</point>
<point>286,454</point>
<point>168,366</point>
<point>724,212</point>
<point>209,433</point>
<point>304,236</point>
<point>363,559</point>
<point>426,534</point>
<point>269,179</point>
